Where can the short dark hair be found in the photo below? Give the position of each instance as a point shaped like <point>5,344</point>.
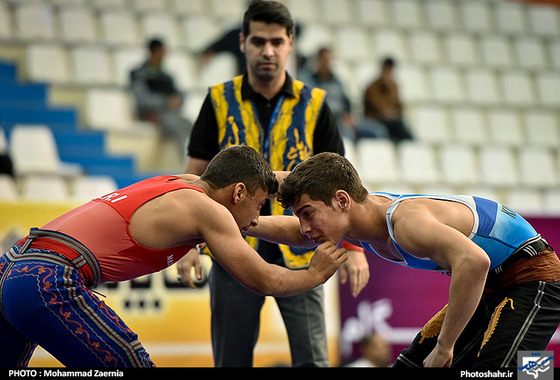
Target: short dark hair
<point>319,177</point>
<point>241,163</point>
<point>388,62</point>
<point>270,12</point>
<point>155,43</point>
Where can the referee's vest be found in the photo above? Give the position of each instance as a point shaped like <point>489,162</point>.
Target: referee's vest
<point>288,142</point>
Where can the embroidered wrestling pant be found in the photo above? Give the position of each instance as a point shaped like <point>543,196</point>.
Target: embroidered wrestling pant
<point>523,319</point>
<point>44,300</point>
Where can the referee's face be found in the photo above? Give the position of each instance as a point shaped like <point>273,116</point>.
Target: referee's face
<point>266,48</point>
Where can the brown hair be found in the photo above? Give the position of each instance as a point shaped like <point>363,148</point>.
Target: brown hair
<point>320,177</point>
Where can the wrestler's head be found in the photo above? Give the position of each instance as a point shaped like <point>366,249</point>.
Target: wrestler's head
<point>248,180</point>
<point>320,192</point>
<point>319,177</point>
<point>243,164</point>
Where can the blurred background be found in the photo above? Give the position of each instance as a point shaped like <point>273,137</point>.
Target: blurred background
<point>479,81</point>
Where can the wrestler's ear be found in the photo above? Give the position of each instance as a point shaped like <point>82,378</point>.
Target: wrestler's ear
<point>342,199</point>
<point>238,190</point>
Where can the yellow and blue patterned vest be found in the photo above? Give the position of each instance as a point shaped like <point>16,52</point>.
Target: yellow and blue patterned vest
<point>288,142</point>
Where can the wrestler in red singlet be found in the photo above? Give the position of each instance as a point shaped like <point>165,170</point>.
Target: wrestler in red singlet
<point>102,225</point>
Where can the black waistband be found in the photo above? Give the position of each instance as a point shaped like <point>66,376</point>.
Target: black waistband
<point>530,248</point>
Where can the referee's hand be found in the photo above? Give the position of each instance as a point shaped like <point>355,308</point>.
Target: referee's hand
<point>188,268</point>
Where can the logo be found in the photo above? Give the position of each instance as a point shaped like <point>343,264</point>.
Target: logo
<point>535,365</point>
<point>170,260</point>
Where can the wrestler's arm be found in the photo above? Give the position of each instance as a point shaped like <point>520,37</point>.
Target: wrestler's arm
<point>268,230</point>
<point>280,229</point>
<point>220,232</point>
<point>422,235</point>
<point>285,229</point>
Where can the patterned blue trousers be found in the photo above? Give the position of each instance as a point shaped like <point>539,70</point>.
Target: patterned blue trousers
<point>44,300</point>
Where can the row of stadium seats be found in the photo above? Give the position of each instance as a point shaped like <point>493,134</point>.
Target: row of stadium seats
<point>413,163</point>
<point>56,189</point>
<point>77,23</point>
<point>433,47</point>
<point>58,17</point>
<point>526,179</point>
<point>380,161</point>
<point>97,65</point>
<point>382,165</point>
<point>353,43</point>
<point>494,126</point>
<point>41,138</point>
<point>80,24</point>
<point>52,188</point>
<point>473,16</point>
<point>431,123</point>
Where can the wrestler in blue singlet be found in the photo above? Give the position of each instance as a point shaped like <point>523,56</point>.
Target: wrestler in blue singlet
<point>498,230</point>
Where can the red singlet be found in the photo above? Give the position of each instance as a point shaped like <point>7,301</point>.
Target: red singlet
<point>102,225</point>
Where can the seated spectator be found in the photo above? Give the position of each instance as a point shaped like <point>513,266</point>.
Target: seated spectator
<point>323,77</point>
<point>157,99</point>
<point>383,108</point>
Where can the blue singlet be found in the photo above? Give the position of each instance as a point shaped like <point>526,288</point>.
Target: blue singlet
<point>498,230</point>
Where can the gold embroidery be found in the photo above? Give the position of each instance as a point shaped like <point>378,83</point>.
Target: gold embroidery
<point>290,139</point>
<point>494,321</point>
<point>297,153</point>
<point>234,138</point>
<point>221,109</point>
<point>312,111</point>
<point>433,326</point>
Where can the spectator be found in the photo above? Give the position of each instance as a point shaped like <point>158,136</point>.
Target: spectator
<point>157,99</point>
<point>383,108</point>
<point>324,77</point>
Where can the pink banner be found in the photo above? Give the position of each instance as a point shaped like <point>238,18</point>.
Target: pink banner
<point>398,301</point>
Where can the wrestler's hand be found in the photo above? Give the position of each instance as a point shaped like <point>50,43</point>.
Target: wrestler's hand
<point>326,260</point>
<point>357,269</point>
<point>185,268</point>
<point>439,357</point>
